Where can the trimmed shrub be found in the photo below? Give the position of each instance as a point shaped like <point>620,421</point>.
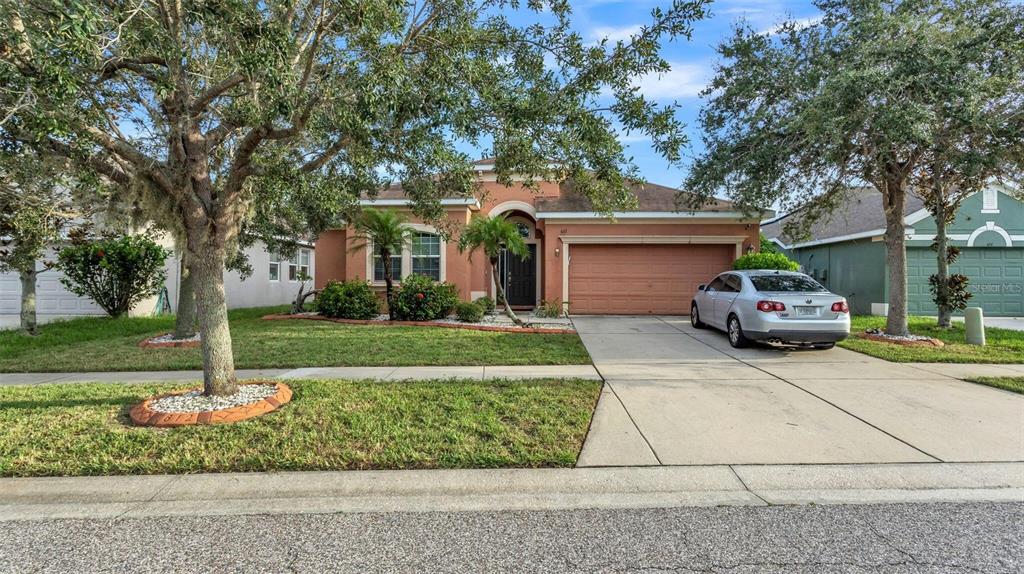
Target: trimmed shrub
<point>116,273</point>
<point>549,309</point>
<point>766,261</point>
<point>420,298</point>
<point>485,303</point>
<point>469,312</point>
<point>768,246</point>
<point>353,299</point>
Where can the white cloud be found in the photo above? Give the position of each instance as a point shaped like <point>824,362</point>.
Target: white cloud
<point>801,23</point>
<point>614,33</point>
<point>682,81</point>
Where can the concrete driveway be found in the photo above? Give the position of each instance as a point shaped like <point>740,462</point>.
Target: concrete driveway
<point>675,395</point>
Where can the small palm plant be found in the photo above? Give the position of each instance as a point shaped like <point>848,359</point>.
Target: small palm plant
<point>388,233</point>
<point>494,235</point>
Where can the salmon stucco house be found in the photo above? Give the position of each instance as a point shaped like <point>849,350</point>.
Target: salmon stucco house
<point>649,260</point>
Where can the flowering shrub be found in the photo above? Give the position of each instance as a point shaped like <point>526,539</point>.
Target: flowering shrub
<point>353,299</point>
<point>420,298</point>
<point>115,273</point>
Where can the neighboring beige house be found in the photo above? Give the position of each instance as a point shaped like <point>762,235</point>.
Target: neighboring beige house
<point>274,281</point>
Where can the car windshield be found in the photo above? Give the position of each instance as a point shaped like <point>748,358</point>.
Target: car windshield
<point>785,283</point>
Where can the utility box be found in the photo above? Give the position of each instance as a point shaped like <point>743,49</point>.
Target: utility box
<point>974,320</point>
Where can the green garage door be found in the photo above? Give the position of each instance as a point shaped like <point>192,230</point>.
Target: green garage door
<point>996,279</point>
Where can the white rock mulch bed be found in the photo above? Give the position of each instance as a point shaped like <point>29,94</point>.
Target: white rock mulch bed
<point>896,338</point>
<point>169,338</point>
<point>195,402</point>
<point>502,320</point>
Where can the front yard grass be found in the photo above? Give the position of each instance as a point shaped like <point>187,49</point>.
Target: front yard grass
<point>1004,345</point>
<point>82,429</point>
<point>1012,384</point>
<point>104,344</point>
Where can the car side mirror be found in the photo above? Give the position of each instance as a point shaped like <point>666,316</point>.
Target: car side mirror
<point>701,287</point>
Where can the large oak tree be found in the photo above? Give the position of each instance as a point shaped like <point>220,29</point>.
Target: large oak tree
<point>225,116</point>
<point>812,110</point>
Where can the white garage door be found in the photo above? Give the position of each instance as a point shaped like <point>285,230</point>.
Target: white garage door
<point>51,297</point>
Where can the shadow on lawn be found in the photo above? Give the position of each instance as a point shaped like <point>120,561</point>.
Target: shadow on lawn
<point>126,404</point>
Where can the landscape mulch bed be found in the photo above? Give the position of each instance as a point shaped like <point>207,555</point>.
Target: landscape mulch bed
<point>160,342</point>
<point>143,415</point>
<point>470,326</point>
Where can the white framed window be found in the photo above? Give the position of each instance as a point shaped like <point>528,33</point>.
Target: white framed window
<point>378,267</point>
<point>298,265</point>
<point>425,255</point>
<point>275,266</point>
<point>990,200</point>
<point>304,256</point>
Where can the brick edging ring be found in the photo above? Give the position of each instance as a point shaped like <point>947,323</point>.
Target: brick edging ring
<point>151,344</point>
<point>496,328</point>
<point>142,415</point>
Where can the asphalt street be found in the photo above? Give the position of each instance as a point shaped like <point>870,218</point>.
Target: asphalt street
<point>867,538</point>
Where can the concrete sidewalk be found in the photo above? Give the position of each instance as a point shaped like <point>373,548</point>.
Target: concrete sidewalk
<point>504,489</point>
<point>380,373</point>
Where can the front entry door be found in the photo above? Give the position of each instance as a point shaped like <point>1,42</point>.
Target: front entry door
<point>520,277</point>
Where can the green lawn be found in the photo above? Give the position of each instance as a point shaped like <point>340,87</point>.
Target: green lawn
<point>68,430</point>
<point>1013,384</point>
<point>1004,345</point>
<point>104,344</point>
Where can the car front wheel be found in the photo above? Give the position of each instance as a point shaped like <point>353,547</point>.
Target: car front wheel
<point>736,337</point>
<point>695,317</point>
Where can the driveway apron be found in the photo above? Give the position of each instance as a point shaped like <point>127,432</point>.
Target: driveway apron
<point>676,395</point>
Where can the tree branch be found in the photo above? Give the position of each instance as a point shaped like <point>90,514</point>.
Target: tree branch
<point>216,90</point>
<point>140,66</point>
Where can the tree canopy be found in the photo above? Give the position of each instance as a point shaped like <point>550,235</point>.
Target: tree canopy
<point>219,117</point>
<point>797,117</point>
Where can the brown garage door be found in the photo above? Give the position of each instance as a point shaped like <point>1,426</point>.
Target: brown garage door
<point>641,279</point>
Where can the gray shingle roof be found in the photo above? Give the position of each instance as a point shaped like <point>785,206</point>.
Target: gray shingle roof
<point>650,197</point>
<point>859,212</point>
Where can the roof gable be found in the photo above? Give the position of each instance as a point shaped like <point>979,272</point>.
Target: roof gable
<point>860,214</point>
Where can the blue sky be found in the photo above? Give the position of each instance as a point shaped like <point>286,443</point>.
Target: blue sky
<point>692,62</point>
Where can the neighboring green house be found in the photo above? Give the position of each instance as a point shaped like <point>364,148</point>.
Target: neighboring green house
<point>845,251</point>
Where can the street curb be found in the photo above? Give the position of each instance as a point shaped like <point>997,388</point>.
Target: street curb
<point>506,489</point>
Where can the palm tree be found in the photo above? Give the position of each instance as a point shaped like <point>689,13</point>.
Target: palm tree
<point>494,235</point>
<point>388,233</point>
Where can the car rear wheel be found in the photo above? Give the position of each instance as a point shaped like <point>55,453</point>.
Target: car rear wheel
<point>695,317</point>
<point>824,346</point>
<point>736,337</point>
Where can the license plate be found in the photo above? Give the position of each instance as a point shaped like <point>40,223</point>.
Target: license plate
<point>807,311</point>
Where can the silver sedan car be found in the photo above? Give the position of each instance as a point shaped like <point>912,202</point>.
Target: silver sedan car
<point>773,307</point>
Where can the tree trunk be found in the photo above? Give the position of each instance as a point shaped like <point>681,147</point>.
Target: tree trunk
<point>893,200</point>
<point>207,270</point>
<point>389,282</point>
<point>942,268</point>
<point>28,300</point>
<point>185,318</point>
<point>501,294</point>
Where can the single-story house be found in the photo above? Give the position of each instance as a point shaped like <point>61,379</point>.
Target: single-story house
<point>846,252</point>
<point>647,260</point>
<point>274,281</point>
